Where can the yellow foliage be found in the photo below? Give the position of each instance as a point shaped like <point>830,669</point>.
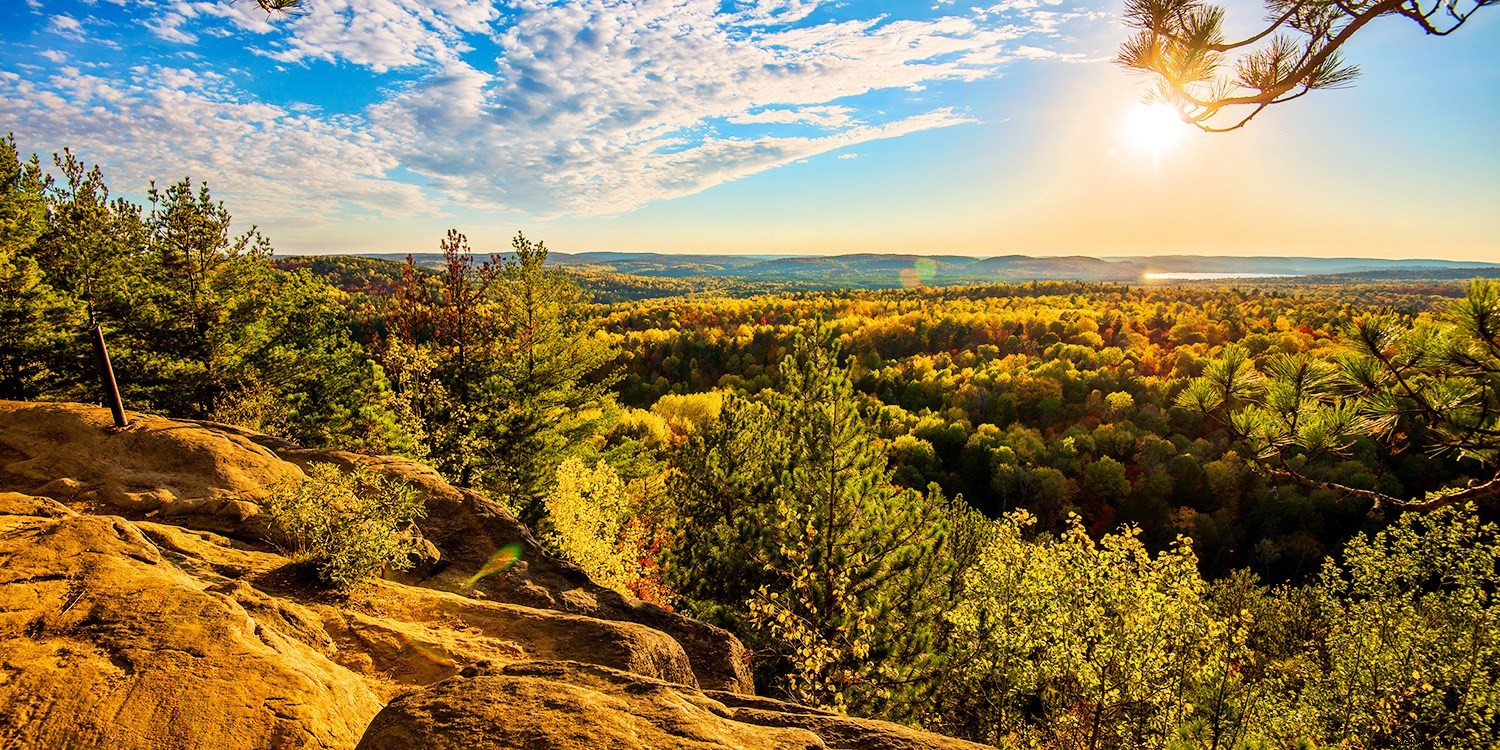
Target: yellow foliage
<point>688,412</point>
<point>593,523</point>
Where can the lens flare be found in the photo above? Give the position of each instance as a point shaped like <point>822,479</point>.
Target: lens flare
<point>502,560</point>
<point>920,273</point>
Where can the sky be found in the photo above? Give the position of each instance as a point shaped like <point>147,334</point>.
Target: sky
<point>749,126</point>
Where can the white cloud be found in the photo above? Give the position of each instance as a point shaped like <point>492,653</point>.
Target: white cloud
<point>826,117</point>
<point>166,123</point>
<point>169,27</point>
<point>601,106</point>
<point>67,26</point>
<point>378,34</point>
<point>760,12</point>
<point>848,156</point>
<point>577,106</point>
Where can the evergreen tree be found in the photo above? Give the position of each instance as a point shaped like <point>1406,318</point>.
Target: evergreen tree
<point>852,605</point>
<point>93,243</point>
<point>443,350</point>
<point>1398,384</point>
<point>553,378</point>
<point>500,363</point>
<point>36,320</point>
<point>91,253</point>
<point>791,534</point>
<point>195,315</point>
<point>723,483</point>
<point>307,378</point>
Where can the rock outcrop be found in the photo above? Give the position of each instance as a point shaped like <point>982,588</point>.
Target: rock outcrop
<point>106,643</point>
<point>141,608</point>
<point>569,705</point>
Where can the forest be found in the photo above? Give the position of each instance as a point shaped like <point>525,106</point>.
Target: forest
<point>1046,514</point>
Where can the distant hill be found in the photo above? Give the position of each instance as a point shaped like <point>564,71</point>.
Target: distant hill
<point>1301,266</point>
<point>874,270</point>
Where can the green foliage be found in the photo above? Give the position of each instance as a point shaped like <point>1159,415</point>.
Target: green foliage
<point>552,380</point>
<point>1219,82</point>
<point>790,533</point>
<point>1072,642</point>
<point>501,367</point>
<point>1411,656</point>
<point>722,483</point>
<point>35,319</point>
<point>1432,386</point>
<point>351,526</point>
<point>1013,421</point>
<point>1078,643</point>
<point>204,291</point>
<point>198,323</point>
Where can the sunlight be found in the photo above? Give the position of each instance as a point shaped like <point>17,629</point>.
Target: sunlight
<point>1153,128</point>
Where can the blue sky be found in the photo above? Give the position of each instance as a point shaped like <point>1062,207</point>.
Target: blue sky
<point>761,126</point>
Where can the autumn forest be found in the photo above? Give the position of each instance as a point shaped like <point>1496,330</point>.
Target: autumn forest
<point>1226,514</point>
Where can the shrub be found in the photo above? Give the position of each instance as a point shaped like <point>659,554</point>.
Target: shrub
<point>594,524</point>
<point>350,525</point>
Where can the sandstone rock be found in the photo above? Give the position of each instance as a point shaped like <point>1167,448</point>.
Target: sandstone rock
<point>195,476</point>
<point>140,607</point>
<point>567,706</point>
<point>417,636</point>
<point>104,643</point>
<point>211,476</point>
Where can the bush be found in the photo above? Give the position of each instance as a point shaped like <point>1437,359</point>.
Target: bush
<point>350,525</point>
<point>594,523</point>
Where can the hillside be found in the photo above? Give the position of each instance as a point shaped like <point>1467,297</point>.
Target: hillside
<point>883,271</point>
<point>143,608</point>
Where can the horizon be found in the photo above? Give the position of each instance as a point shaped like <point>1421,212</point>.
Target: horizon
<point>780,256</point>
<point>751,128</point>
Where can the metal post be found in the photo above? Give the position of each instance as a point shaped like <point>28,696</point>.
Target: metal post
<point>107,374</point>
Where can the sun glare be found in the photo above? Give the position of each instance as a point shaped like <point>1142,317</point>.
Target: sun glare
<point>1153,128</point>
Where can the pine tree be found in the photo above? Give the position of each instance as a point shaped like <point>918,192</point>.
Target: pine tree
<point>310,381</point>
<point>500,363</point>
<point>1402,385</point>
<point>89,252</point>
<point>790,534</point>
<point>449,351</point>
<point>553,378</point>
<point>36,320</point>
<point>723,485</point>
<point>852,605</point>
<point>195,314</point>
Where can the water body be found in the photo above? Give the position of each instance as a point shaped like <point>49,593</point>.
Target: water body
<point>1220,275</point>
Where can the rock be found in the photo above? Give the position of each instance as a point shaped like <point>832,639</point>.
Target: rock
<point>104,643</point>
<point>417,636</point>
<point>567,706</point>
<point>121,634</point>
<point>210,476</point>
<point>194,475</point>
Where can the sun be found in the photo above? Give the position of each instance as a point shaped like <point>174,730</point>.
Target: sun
<point>1154,128</point>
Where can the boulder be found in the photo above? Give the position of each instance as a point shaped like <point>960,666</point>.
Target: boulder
<point>573,706</point>
<point>162,468</point>
<point>141,607</point>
